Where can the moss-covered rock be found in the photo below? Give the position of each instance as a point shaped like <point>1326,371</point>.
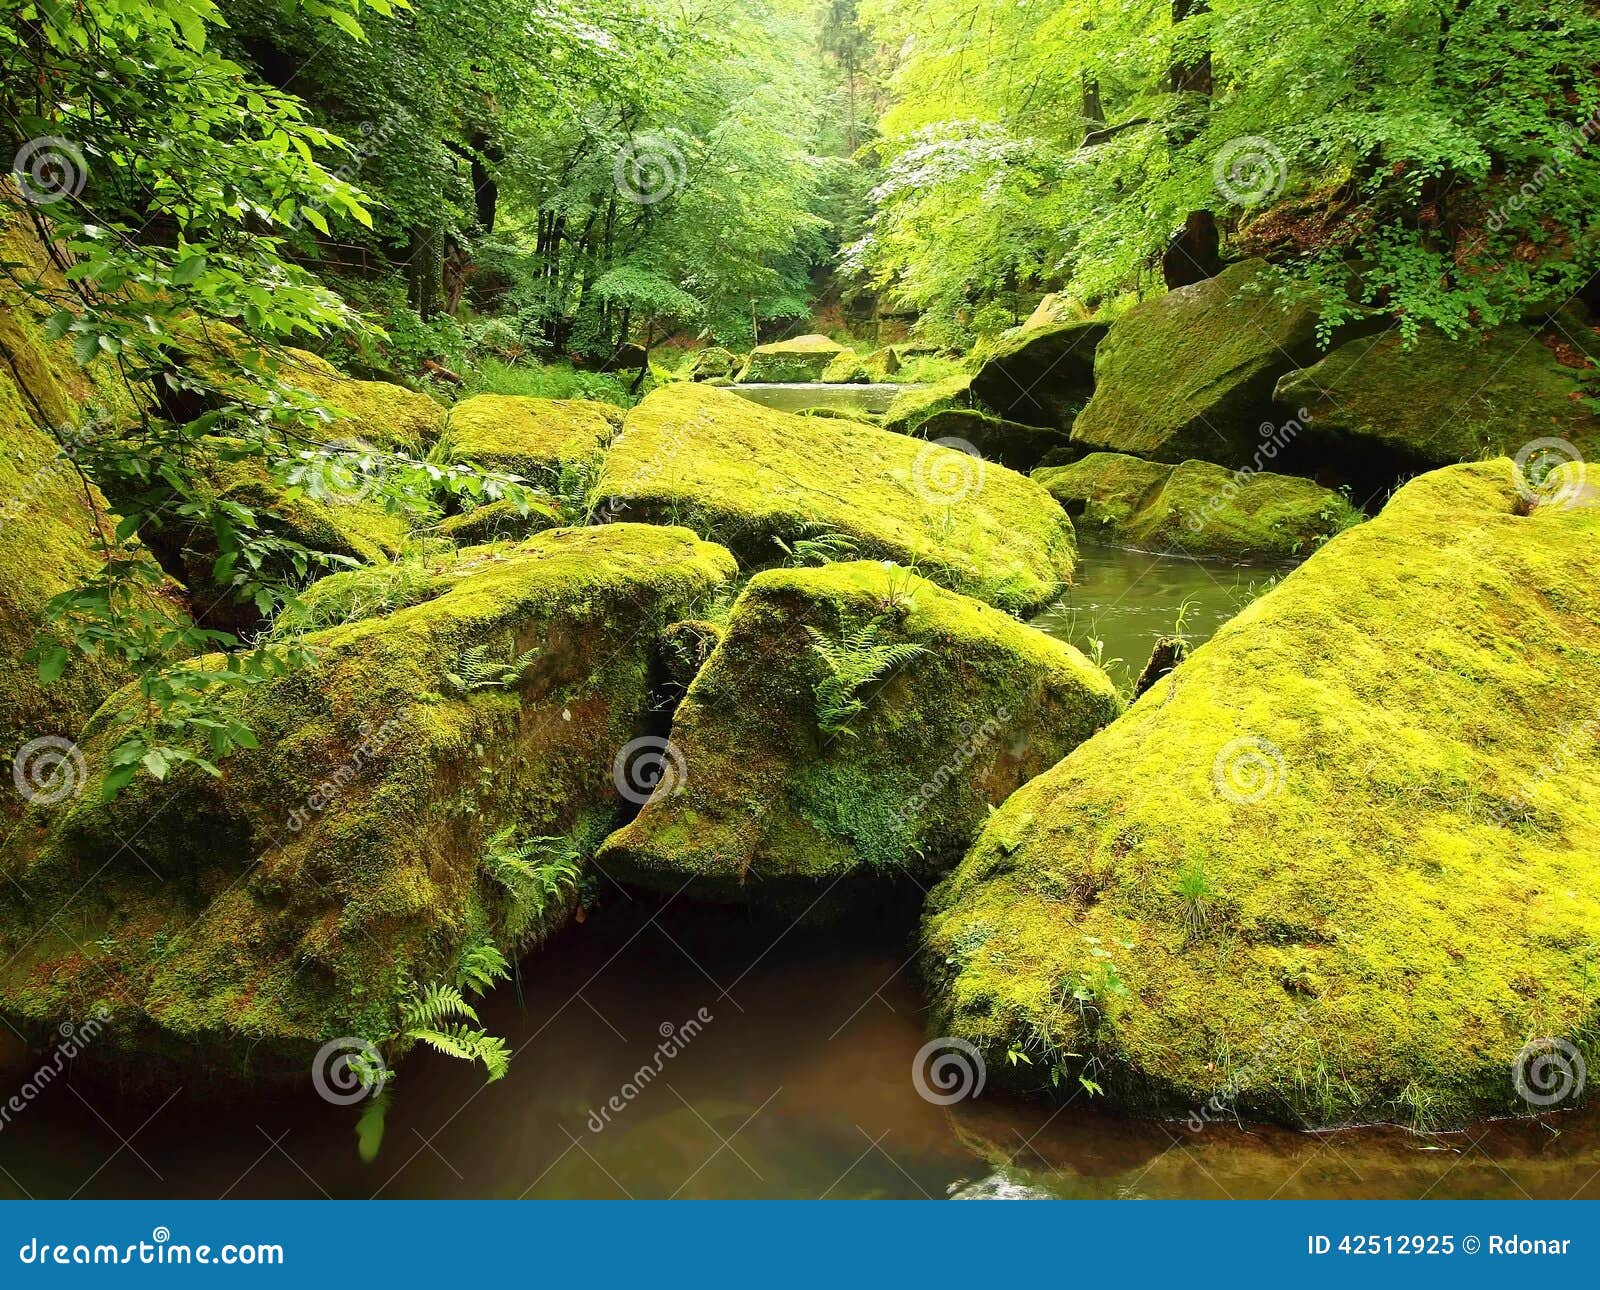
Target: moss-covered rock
<point>1343,864</point>
<point>378,413</point>
<point>500,521</point>
<point>1442,400</point>
<point>746,476</point>
<point>1190,374</point>
<point>846,368</point>
<point>237,923</point>
<point>916,403</point>
<point>782,789</point>
<point>1196,507</point>
<point>881,364</point>
<point>539,439</point>
<point>711,363</point>
<point>54,525</point>
<point>1012,444</point>
<point>802,359</point>
<point>1041,377</point>
<point>1055,309</point>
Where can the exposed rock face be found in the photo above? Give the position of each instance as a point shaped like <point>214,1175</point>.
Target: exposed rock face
<point>1190,375</point>
<point>1441,401</point>
<point>748,476</point>
<point>1196,508</point>
<point>238,923</point>
<point>538,439</point>
<point>785,789</point>
<point>802,359</point>
<point>1013,445</point>
<point>1342,863</point>
<point>1041,377</point>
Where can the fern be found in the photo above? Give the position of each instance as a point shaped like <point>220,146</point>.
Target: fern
<point>533,882</point>
<point>468,1044</point>
<point>434,1004</point>
<point>854,661</point>
<point>482,964</point>
<point>476,670</point>
<point>824,548</point>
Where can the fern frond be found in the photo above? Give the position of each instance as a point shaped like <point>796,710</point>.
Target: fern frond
<point>468,1044</point>
<point>433,1005</point>
<point>482,964</point>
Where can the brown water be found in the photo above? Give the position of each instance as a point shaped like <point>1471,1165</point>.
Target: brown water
<point>798,1085</point>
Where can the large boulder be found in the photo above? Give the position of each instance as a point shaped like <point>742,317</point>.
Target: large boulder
<point>1196,508</point>
<point>846,368</point>
<point>852,730</point>
<point>236,924</point>
<point>802,359</point>
<point>1440,401</point>
<point>538,439</point>
<point>914,404</point>
<point>1190,375</point>
<point>1343,864</point>
<point>1042,376</point>
<point>758,480</point>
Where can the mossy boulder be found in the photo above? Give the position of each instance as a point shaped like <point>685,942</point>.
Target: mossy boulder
<point>846,368</point>
<point>916,403</point>
<point>802,359</point>
<point>881,364</point>
<point>1440,401</point>
<point>1342,865</point>
<point>235,924</point>
<point>1055,309</point>
<point>500,521</point>
<point>1042,376</point>
<point>748,476</point>
<point>378,413</point>
<point>1012,444</point>
<point>538,439</point>
<point>1196,508</point>
<point>707,364</point>
<point>781,794</point>
<point>1190,375</point>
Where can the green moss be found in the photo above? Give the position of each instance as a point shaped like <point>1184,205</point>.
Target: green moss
<point>847,368</point>
<point>1442,400</point>
<point>710,363</point>
<point>1386,771</point>
<point>498,522</point>
<point>535,438</point>
<point>1190,374</point>
<point>770,806</point>
<point>915,404</point>
<point>1197,508</point>
<point>289,902</point>
<point>882,364</point>
<point>745,475</point>
<point>802,359</point>
<point>1042,376</point>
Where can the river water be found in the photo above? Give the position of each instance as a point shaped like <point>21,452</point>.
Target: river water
<point>791,1077</point>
